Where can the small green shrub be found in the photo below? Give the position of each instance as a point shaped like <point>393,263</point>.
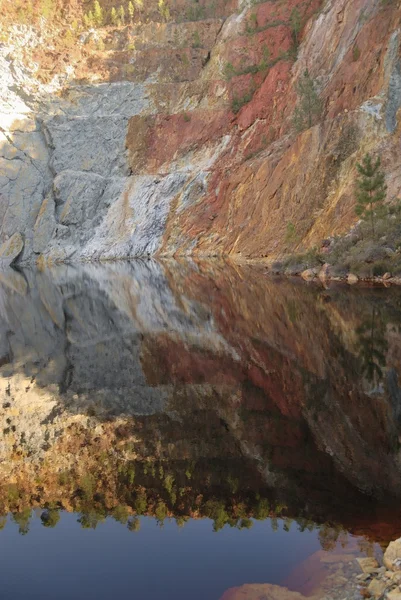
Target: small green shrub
<point>356,53</point>
<point>229,71</point>
<point>196,41</point>
<point>238,102</point>
<point>291,232</point>
<point>309,107</point>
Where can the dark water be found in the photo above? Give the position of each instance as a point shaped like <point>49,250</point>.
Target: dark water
<point>178,430</point>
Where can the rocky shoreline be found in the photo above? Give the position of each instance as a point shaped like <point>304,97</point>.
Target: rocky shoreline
<point>382,581</point>
<point>324,276</point>
<point>338,576</point>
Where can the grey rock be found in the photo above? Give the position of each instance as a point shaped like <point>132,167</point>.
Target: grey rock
<point>374,109</point>
<point>124,99</point>
<point>135,223</point>
<point>13,280</point>
<point>394,87</point>
<point>44,226</point>
<point>89,144</point>
<point>77,197</point>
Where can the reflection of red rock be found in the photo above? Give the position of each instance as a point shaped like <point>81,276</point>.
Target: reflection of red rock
<point>283,373</point>
<point>315,573</point>
<point>256,591</point>
<point>313,578</point>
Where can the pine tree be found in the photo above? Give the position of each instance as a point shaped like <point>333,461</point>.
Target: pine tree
<point>309,107</point>
<point>131,11</point>
<point>121,15</point>
<point>372,346</point>
<point>296,25</point>
<point>113,16</point>
<point>370,189</point>
<point>97,14</point>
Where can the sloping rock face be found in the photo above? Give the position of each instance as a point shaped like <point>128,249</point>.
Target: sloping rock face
<point>176,138</point>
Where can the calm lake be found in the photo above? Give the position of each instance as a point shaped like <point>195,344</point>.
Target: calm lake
<point>194,431</point>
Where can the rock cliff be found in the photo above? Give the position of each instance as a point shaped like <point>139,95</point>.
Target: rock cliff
<point>173,134</point>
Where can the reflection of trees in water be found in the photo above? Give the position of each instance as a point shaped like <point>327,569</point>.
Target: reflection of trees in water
<point>329,534</point>
<point>372,346</point>
<point>50,517</point>
<point>22,519</point>
<point>235,510</point>
<point>366,547</point>
<point>226,493</point>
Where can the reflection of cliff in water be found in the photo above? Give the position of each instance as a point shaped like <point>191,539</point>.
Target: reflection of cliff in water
<point>194,389</point>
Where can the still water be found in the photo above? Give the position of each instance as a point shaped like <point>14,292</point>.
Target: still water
<point>194,431</point>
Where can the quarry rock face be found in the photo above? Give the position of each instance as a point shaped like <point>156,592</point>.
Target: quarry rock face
<point>176,138</point>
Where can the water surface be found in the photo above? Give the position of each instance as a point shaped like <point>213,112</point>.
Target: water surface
<point>181,430</point>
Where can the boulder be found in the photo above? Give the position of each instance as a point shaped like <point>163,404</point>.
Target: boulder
<point>308,274</point>
<point>392,556</point>
<point>387,276</point>
<point>11,249</point>
<point>324,272</point>
<point>376,587</point>
<point>352,279</point>
<point>368,564</point>
<point>394,595</point>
